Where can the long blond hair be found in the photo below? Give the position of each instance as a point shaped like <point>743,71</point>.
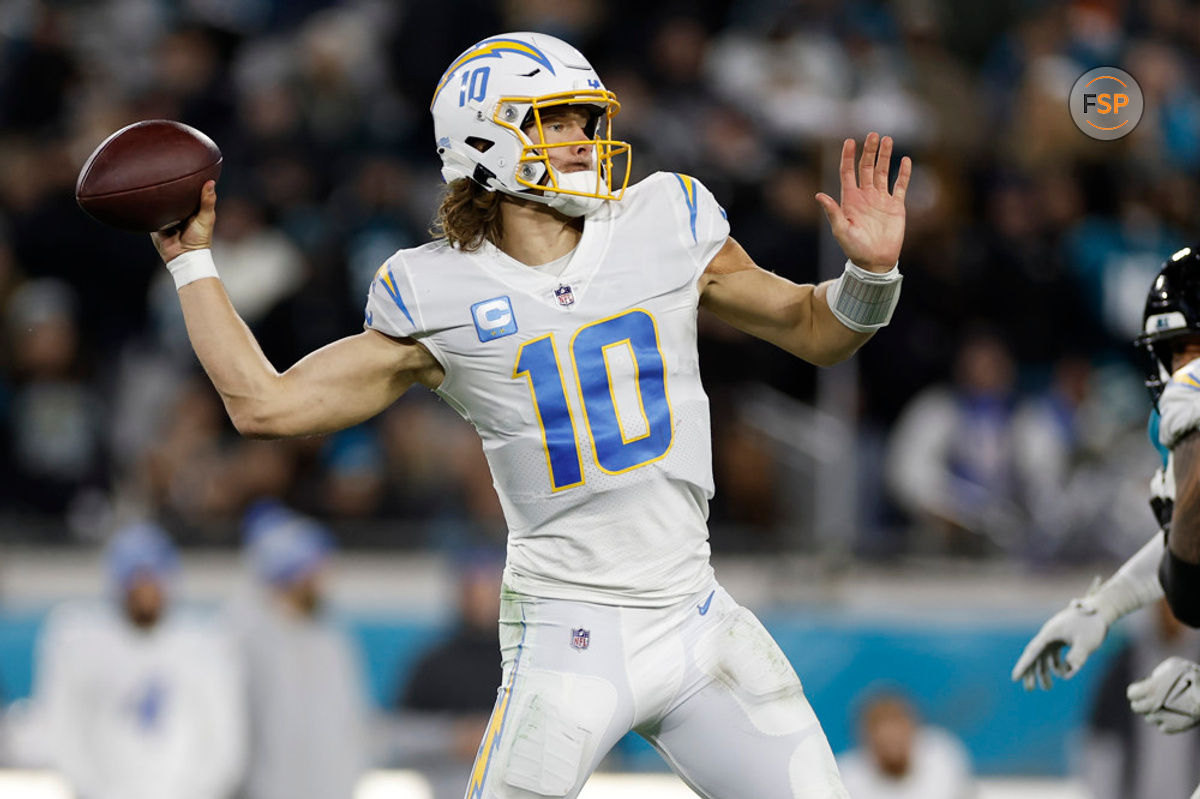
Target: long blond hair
<point>468,215</point>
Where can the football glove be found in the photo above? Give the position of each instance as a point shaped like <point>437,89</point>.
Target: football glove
<point>1170,697</point>
<point>1079,629</point>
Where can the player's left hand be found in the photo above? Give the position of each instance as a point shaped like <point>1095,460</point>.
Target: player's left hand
<point>869,223</point>
<point>1078,630</point>
<point>1170,697</point>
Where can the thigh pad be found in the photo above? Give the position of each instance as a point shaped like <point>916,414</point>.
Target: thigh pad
<point>743,656</point>
<point>559,722</point>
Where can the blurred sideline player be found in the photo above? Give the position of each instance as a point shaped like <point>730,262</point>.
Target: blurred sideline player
<point>304,689</point>
<point>899,757</point>
<point>1169,563</point>
<point>137,703</point>
<point>557,313</point>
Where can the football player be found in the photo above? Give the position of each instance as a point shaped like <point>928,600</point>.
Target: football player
<point>1169,563</point>
<point>557,313</point>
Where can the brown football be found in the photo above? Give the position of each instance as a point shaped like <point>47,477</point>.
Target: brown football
<point>147,176</point>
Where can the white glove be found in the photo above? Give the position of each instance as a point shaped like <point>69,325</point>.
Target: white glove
<point>1078,627</point>
<point>1084,623</point>
<point>1170,697</point>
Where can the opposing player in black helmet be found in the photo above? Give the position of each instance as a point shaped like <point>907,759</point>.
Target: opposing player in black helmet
<point>1169,563</point>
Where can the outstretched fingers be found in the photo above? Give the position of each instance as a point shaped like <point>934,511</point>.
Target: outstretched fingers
<point>883,164</point>
<point>833,211</point>
<point>901,187</point>
<point>847,166</point>
<point>866,165</point>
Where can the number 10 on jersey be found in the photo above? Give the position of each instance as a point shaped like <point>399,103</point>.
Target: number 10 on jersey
<point>614,452</point>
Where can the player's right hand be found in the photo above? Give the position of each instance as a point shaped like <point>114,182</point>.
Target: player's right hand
<point>1170,697</point>
<point>1078,628</point>
<point>195,232</point>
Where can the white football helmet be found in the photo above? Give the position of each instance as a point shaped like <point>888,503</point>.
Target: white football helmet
<point>502,85</point>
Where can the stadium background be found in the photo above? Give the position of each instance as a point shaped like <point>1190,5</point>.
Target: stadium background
<point>1028,253</point>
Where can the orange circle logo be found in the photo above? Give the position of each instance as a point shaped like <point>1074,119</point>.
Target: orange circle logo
<point>1106,103</point>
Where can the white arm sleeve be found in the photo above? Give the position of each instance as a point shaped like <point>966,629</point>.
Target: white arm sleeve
<point>1134,585</point>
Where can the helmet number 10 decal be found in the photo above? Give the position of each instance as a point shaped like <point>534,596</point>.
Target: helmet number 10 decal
<point>594,350</point>
<point>474,85</point>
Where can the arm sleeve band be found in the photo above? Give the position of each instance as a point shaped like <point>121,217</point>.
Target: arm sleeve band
<point>1181,584</point>
<point>863,300</point>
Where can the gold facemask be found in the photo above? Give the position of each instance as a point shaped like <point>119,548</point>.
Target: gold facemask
<point>606,148</point>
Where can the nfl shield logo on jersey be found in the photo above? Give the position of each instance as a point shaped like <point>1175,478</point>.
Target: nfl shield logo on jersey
<point>580,638</point>
<point>564,295</point>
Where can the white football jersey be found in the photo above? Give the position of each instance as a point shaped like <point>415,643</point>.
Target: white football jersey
<point>585,389</point>
<point>1179,414</point>
<point>1179,405</point>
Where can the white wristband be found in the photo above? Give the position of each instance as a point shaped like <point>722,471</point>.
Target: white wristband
<point>863,300</point>
<point>191,266</point>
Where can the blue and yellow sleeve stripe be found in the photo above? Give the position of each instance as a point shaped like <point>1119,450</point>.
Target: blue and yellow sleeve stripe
<point>388,281</point>
<point>688,185</point>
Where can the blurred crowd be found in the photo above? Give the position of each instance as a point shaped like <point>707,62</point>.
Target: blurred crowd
<point>1000,413</point>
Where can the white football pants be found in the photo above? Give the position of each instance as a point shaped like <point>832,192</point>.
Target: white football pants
<point>703,681</point>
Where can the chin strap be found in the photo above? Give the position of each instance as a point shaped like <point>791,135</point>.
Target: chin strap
<point>567,204</point>
<point>574,204</point>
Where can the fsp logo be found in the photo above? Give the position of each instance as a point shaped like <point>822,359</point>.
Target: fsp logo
<point>1106,103</point>
<point>494,318</point>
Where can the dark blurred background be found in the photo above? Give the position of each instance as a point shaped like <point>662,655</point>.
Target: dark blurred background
<point>999,415</point>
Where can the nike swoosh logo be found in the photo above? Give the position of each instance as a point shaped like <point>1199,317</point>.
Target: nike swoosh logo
<point>1176,693</point>
<point>704,608</point>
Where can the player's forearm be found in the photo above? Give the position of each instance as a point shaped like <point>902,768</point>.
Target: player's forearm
<point>831,342</point>
<point>794,317</point>
<point>1184,539</point>
<point>1179,571</point>
<point>810,331</point>
<point>229,353</point>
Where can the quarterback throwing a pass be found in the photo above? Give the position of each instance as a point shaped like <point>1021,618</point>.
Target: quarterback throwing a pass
<point>557,313</point>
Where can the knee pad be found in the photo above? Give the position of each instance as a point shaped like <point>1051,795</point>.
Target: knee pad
<point>1181,584</point>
